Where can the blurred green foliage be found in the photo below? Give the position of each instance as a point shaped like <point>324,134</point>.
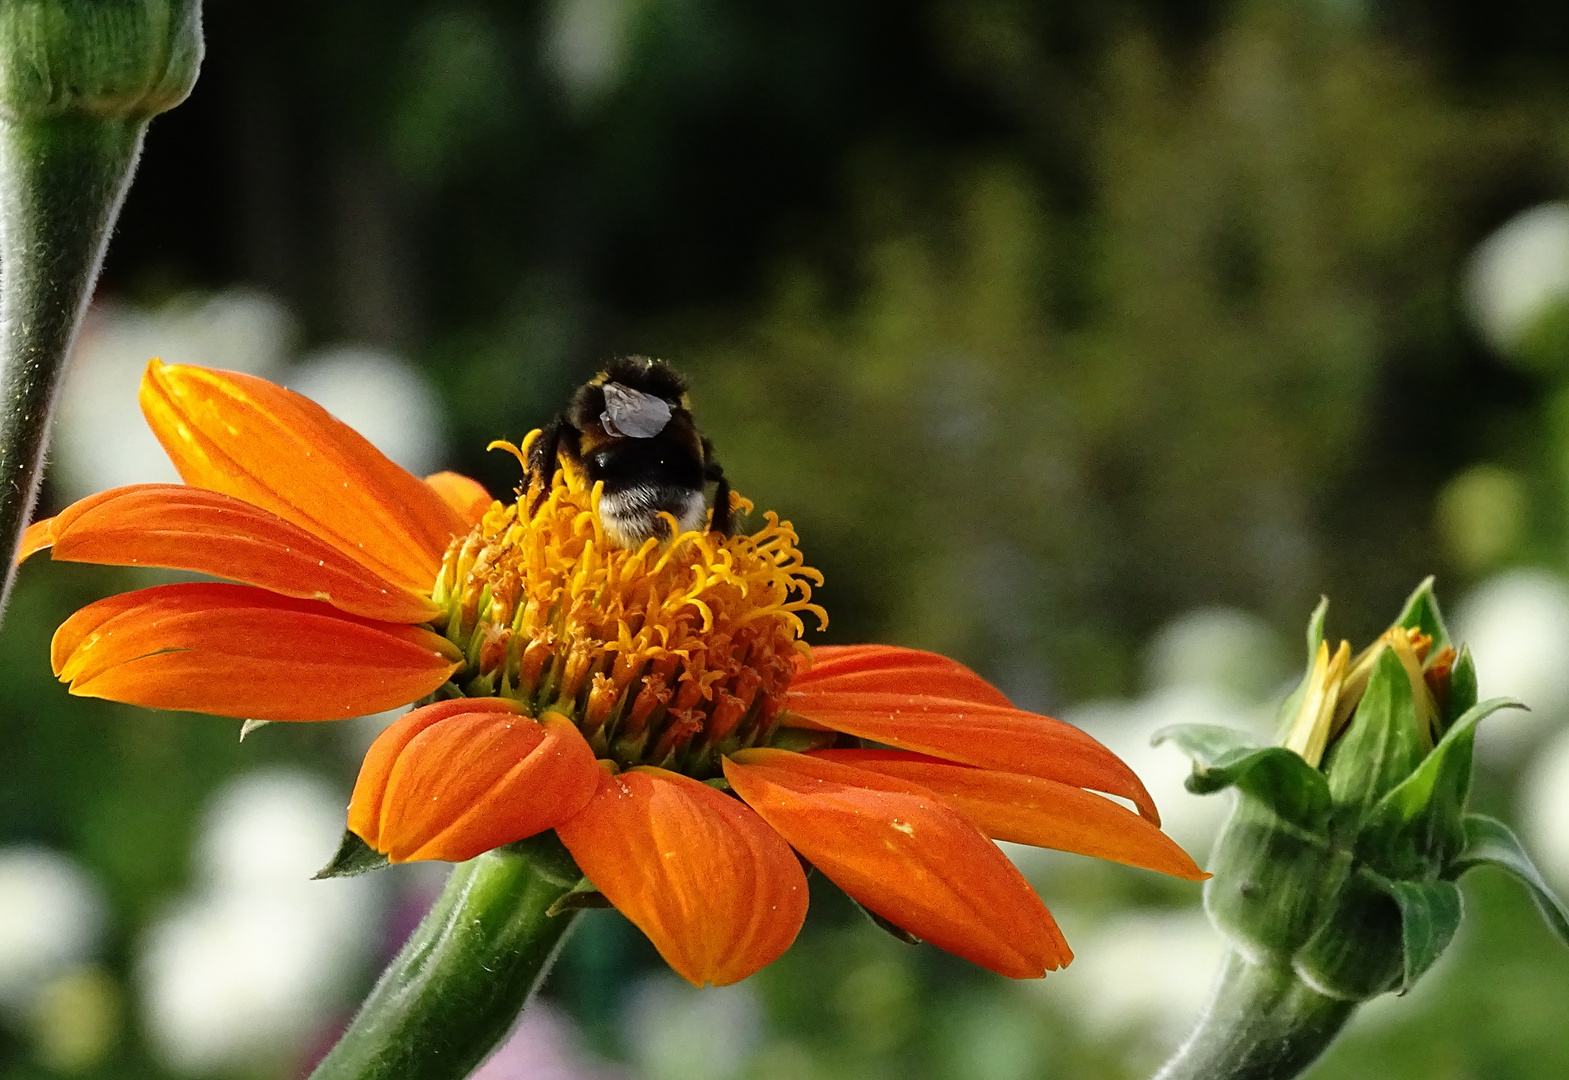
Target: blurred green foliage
<point>1044,323</point>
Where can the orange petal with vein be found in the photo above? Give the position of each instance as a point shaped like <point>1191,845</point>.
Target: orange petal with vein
<point>1030,810</point>
<point>889,669</point>
<point>716,890</point>
<point>191,528</point>
<point>232,650</point>
<point>455,779</point>
<point>988,736</point>
<point>898,850</point>
<point>280,451</point>
<point>468,498</point>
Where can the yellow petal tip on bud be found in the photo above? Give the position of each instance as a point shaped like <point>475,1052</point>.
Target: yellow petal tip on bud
<point>1316,720</point>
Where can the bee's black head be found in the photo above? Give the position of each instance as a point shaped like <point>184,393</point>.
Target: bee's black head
<point>648,376</point>
<point>634,397</point>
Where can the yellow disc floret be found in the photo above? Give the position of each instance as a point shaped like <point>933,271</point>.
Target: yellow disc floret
<point>667,654</point>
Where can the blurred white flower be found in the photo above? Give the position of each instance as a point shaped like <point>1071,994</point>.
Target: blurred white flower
<point>273,827</point>
<point>1146,973</point>
<point>101,440</point>
<point>1518,273</point>
<point>1517,626</point>
<point>586,44</point>
<point>380,396</point>
<point>677,1032</point>
<point>51,918</point>
<point>231,979</point>
<point>1543,805</point>
<point>1224,649</point>
<point>245,967</point>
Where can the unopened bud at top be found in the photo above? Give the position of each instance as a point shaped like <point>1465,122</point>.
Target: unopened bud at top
<point>110,58</point>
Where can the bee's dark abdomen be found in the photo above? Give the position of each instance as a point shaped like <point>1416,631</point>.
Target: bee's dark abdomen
<point>629,462</point>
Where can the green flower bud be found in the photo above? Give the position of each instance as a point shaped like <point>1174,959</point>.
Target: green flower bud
<point>1334,878</point>
<point>119,58</point>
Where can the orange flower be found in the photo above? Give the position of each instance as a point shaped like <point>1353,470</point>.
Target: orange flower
<point>656,707</point>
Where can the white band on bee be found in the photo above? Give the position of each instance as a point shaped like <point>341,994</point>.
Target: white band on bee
<point>632,413</point>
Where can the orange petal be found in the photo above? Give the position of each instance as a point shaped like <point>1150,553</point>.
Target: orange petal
<point>988,736</point>
<point>468,498</point>
<point>36,537</point>
<point>191,528</point>
<point>232,650</point>
<point>889,669</point>
<point>1030,810</point>
<point>274,449</point>
<point>455,779</point>
<point>718,892</point>
<point>902,853</point>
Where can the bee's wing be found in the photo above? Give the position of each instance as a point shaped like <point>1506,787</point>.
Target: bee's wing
<point>632,413</point>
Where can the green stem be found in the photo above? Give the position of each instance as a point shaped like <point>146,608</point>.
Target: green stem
<point>1262,1023</point>
<point>456,989</point>
<point>62,180</point>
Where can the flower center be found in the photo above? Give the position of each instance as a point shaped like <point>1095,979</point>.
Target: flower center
<point>665,654</point>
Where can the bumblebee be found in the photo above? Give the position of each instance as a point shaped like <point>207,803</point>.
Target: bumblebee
<point>631,427</point>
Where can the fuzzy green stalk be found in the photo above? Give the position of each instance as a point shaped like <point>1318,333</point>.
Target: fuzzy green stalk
<point>79,82</point>
<point>61,184</point>
<point>1261,1023</point>
<point>451,995</point>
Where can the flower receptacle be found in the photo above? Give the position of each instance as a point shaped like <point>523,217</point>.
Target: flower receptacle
<point>130,59</point>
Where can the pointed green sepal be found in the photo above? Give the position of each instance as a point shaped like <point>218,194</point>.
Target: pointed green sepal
<point>1429,916</point>
<point>891,928</point>
<point>1489,842</point>
<point>1273,775</point>
<point>1208,745</point>
<point>1418,824</point>
<point>550,859</point>
<point>582,897</point>
<point>1421,613</point>
<point>354,857</point>
<point>1382,744</point>
<point>1462,689</point>
<point>800,740</point>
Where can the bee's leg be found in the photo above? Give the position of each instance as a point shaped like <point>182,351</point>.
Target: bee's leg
<point>543,461</point>
<point>712,470</point>
<point>722,516</point>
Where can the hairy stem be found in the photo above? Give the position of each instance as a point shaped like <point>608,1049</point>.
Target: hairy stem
<point>62,180</point>
<point>1262,1023</point>
<point>453,993</point>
